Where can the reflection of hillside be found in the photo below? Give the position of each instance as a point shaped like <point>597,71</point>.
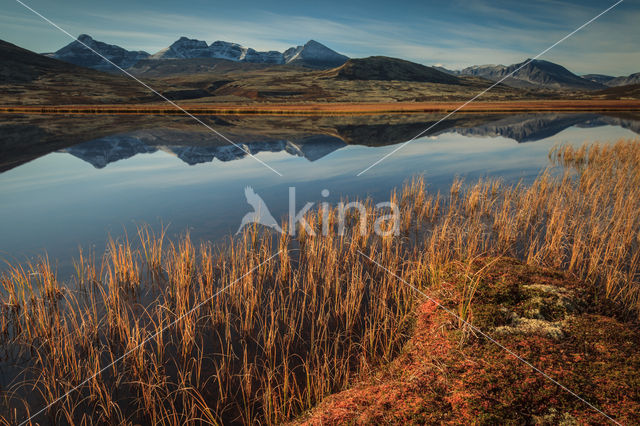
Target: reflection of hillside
<point>533,127</point>
<point>111,138</point>
<point>519,127</point>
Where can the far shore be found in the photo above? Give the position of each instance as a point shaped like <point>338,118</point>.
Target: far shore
<point>598,105</point>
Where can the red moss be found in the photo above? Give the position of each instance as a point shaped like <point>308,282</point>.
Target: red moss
<point>438,380</point>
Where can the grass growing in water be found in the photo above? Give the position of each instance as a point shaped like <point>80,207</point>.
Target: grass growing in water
<point>307,323</point>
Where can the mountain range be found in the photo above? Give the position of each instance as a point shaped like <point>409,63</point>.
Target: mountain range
<point>312,54</point>
<point>611,81</point>
<point>529,74</point>
<point>534,73</point>
<point>101,152</point>
<point>538,73</point>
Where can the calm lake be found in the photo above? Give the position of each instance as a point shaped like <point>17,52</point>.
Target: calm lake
<point>73,182</point>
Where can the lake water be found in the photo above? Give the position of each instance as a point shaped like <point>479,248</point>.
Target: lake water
<point>179,176</point>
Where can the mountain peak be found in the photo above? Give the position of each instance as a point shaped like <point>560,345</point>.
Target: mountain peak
<point>85,38</point>
<point>190,42</point>
<point>314,54</point>
<point>76,53</point>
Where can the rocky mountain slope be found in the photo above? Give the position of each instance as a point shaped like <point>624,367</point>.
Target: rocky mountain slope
<point>624,81</point>
<point>314,55</point>
<point>598,78</point>
<point>533,73</point>
<point>77,53</point>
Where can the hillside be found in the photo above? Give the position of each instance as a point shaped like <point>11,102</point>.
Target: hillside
<point>155,68</point>
<point>30,78</point>
<point>620,92</point>
<point>391,69</point>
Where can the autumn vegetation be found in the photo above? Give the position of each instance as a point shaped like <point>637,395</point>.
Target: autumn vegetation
<point>336,108</point>
<point>266,327</point>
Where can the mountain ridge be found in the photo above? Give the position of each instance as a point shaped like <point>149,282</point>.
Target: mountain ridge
<point>311,54</point>
<point>77,53</point>
<point>533,73</point>
<point>528,74</point>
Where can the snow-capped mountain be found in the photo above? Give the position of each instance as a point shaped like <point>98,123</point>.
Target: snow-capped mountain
<point>226,50</point>
<point>312,54</point>
<point>315,55</point>
<point>184,48</point>
<point>533,73</point>
<point>76,53</point>
<point>624,80</point>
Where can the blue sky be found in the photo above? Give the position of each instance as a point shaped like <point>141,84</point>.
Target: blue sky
<point>453,33</point>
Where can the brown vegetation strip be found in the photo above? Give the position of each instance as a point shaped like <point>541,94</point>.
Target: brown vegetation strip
<point>334,108</point>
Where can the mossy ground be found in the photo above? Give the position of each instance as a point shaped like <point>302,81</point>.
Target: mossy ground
<point>449,374</point>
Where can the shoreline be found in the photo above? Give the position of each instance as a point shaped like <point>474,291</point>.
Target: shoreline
<point>321,109</point>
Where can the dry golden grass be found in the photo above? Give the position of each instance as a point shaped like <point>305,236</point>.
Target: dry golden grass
<point>335,108</point>
<point>289,331</point>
